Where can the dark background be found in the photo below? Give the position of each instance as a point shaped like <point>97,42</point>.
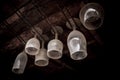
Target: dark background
<point>95,66</point>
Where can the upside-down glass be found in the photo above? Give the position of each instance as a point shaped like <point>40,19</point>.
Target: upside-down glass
<point>77,46</point>
<point>32,46</point>
<point>41,59</point>
<point>20,63</point>
<point>91,16</point>
<point>55,48</point>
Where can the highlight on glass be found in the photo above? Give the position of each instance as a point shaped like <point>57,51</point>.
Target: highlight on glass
<point>91,16</point>
<point>77,46</point>
<point>20,63</point>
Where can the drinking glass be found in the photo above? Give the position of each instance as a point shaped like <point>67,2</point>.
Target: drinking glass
<point>91,16</point>
<point>32,46</point>
<point>20,63</point>
<point>55,48</point>
<point>41,59</point>
<point>77,46</point>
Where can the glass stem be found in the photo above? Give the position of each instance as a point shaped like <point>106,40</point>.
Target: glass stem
<point>35,36</point>
<point>74,28</point>
<point>43,43</point>
<point>56,35</point>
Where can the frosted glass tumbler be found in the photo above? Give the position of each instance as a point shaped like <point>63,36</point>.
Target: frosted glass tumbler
<point>20,63</point>
<point>41,59</point>
<point>32,46</point>
<point>91,16</point>
<point>77,46</point>
<point>55,48</point>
